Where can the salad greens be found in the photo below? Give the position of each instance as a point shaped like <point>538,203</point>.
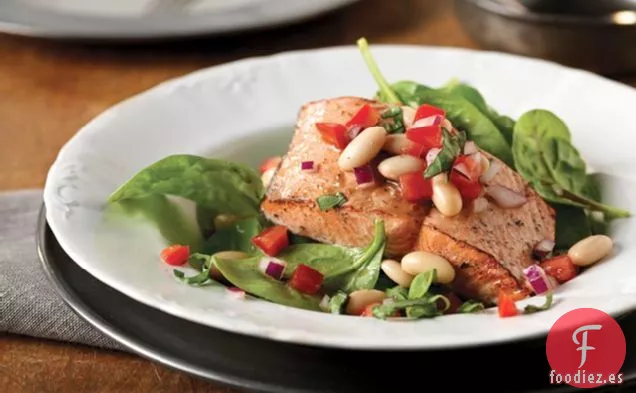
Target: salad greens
<point>538,145</point>
<point>237,237</point>
<point>338,302</point>
<point>218,185</point>
<point>247,276</point>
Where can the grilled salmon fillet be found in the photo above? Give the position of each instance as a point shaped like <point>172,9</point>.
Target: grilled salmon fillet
<point>489,249</point>
<point>292,193</point>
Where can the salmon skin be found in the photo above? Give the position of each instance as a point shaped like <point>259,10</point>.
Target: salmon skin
<point>489,250</point>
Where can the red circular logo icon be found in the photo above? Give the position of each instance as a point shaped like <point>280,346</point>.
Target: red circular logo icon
<point>586,349</point>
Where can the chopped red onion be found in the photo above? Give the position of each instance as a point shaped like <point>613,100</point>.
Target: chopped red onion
<point>470,148</point>
<point>364,174</point>
<point>493,169</point>
<point>324,303</point>
<point>431,155</point>
<point>354,131</point>
<point>537,279</point>
<point>428,121</point>
<point>543,249</point>
<point>308,166</point>
<point>236,293</point>
<point>480,205</point>
<point>273,267</point>
<point>505,197</point>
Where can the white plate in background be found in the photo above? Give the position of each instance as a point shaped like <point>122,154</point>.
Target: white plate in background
<point>204,113</point>
<point>152,19</point>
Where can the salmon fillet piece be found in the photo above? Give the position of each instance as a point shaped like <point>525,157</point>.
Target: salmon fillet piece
<point>291,196</point>
<point>489,250</point>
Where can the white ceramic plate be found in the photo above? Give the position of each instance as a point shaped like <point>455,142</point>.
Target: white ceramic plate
<point>245,111</point>
<point>151,19</point>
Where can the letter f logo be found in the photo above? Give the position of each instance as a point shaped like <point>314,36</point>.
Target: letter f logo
<point>584,347</point>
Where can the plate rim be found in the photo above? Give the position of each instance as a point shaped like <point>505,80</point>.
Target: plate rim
<point>335,343</point>
<point>47,24</point>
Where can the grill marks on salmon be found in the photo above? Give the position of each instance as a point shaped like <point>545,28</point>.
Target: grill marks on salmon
<point>489,250</point>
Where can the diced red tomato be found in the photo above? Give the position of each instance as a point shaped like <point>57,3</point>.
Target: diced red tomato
<point>334,133</point>
<point>269,163</point>
<point>426,110</point>
<point>306,280</point>
<point>415,187</point>
<point>470,190</point>
<point>560,267</point>
<point>429,136</point>
<point>272,240</point>
<point>471,168</point>
<point>416,150</point>
<point>175,255</point>
<point>506,306</point>
<point>455,303</point>
<point>367,116</point>
<point>368,310</point>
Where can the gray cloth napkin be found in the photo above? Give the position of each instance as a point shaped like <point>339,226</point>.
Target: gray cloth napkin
<point>28,303</point>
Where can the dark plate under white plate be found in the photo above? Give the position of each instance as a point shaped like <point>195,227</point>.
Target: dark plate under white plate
<point>260,365</point>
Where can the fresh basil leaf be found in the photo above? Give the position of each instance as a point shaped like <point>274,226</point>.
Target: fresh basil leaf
<point>572,225</point>
<point>246,275</point>
<point>397,293</point>
<point>452,146</point>
<point>199,279</point>
<point>421,284</point>
<point>199,261</point>
<point>470,306</point>
<point>326,202</point>
<point>427,310</point>
<point>338,302</point>
<point>385,89</point>
<point>169,219</point>
<point>424,307</point>
<point>218,185</point>
<point>393,120</point>
<point>530,309</point>
<point>236,237</point>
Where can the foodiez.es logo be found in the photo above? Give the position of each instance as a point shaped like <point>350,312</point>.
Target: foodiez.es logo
<point>586,349</point>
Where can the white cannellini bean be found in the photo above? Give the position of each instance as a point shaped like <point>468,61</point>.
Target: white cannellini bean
<point>396,166</point>
<point>267,176</point>
<point>441,178</point>
<point>360,299</point>
<point>396,144</point>
<point>590,250</point>
<point>408,114</point>
<point>394,271</point>
<point>447,199</point>
<point>228,256</point>
<point>362,148</point>
<point>418,262</point>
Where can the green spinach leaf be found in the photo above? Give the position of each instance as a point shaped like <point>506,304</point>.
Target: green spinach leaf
<point>385,89</point>
<point>218,185</point>
<point>237,237</point>
<point>572,225</point>
<point>545,157</point>
<point>246,275</point>
<point>504,123</point>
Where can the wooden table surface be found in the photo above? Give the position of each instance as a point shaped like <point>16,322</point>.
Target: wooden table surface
<point>48,90</point>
